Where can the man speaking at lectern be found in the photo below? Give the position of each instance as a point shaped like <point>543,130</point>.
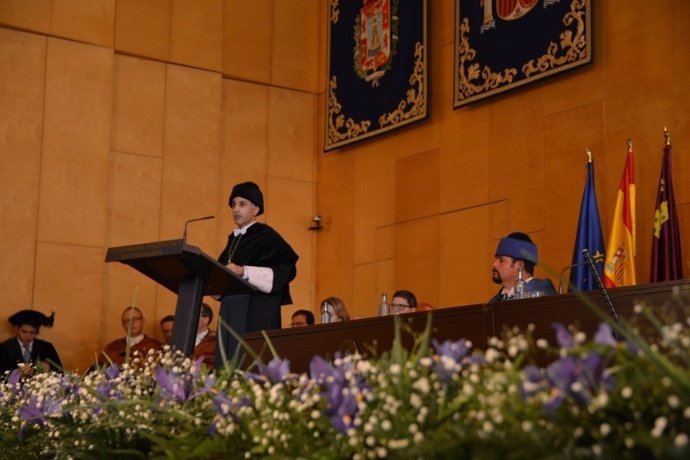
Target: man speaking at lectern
<point>263,258</point>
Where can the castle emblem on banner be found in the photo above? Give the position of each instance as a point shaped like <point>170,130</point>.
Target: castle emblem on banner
<point>375,34</point>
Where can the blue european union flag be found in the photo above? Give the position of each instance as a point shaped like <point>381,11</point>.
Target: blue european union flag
<point>589,237</point>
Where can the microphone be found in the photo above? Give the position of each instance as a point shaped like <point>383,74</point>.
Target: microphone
<point>184,235</point>
<point>597,258</point>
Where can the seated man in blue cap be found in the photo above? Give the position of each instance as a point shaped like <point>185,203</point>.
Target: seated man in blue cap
<point>517,251</point>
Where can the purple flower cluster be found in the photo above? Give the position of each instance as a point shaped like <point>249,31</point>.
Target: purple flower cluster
<point>454,352</point>
<point>181,386</point>
<point>276,371</point>
<point>339,391</point>
<point>579,378</point>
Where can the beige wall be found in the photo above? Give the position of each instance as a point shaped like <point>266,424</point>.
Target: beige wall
<point>121,119</point>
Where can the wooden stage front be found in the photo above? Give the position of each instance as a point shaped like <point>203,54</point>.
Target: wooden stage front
<point>472,322</point>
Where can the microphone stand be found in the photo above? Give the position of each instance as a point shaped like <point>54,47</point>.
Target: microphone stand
<point>603,290</point>
<point>570,267</point>
<point>184,235</point>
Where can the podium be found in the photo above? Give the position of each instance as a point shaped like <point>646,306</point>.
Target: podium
<point>187,271</point>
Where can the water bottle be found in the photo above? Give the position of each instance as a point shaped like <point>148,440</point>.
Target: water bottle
<point>325,313</point>
<point>383,306</point>
<point>520,290</point>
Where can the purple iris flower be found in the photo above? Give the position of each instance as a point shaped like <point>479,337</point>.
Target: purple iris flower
<point>604,335</point>
<point>174,386</point>
<point>563,336</point>
<point>589,372</point>
<point>276,371</point>
<point>35,412</point>
<point>456,350</point>
<point>337,390</point>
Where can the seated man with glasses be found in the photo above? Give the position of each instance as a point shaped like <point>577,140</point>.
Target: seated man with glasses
<point>120,350</point>
<point>403,302</point>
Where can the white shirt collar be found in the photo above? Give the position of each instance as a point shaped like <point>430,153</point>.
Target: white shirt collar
<point>243,230</point>
<point>30,345</point>
<point>135,340</point>
<point>200,336</point>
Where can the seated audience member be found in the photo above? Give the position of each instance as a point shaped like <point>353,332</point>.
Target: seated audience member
<point>403,302</point>
<point>302,318</point>
<point>167,323</point>
<point>205,345</point>
<point>337,309</point>
<point>134,341</point>
<point>517,251</point>
<point>24,348</point>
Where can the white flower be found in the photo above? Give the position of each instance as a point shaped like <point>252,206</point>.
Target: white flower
<point>681,440</point>
<point>605,429</point>
<point>395,369</point>
<point>673,401</point>
<point>629,443</point>
<point>659,426</point>
<point>626,392</point>
<point>541,343</point>
<point>386,425</point>
<point>527,426</point>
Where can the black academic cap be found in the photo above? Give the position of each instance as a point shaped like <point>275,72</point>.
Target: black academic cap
<point>33,318</point>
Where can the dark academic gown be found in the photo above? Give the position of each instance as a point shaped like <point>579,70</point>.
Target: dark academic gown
<point>533,285</point>
<point>11,354</point>
<point>260,246</point>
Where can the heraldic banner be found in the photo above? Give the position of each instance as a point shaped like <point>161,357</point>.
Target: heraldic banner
<point>503,44</point>
<point>377,68</point>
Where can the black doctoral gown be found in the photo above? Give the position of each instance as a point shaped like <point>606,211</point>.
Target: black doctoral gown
<point>261,246</point>
<point>11,354</point>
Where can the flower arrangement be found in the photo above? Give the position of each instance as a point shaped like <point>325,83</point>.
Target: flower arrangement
<point>596,397</point>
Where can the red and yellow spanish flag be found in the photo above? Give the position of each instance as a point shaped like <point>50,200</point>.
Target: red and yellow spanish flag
<point>619,269</point>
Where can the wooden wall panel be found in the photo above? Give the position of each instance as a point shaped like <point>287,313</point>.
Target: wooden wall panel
<point>32,15</point>
<point>90,22</point>
<point>291,134</point>
<point>465,263</point>
<point>138,106</point>
<point>417,186</point>
<point>142,27</point>
<point>247,37</point>
<point>417,257</point>
<point>191,160</point>
<point>289,41</point>
<point>196,33</point>
<point>65,275</point>
<point>22,80</point>
<point>74,168</point>
<point>374,195</point>
<point>334,242</point>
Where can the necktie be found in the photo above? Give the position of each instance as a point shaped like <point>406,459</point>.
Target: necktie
<point>27,353</point>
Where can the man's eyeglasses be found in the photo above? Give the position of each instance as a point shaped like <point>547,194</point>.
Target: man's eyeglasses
<point>399,305</point>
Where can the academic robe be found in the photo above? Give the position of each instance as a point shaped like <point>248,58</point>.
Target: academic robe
<point>533,285</point>
<point>117,350</point>
<point>260,246</point>
<point>207,349</point>
<point>11,354</point>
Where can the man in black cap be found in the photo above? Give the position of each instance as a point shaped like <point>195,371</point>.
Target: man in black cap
<point>514,252</point>
<point>257,253</point>
<point>25,348</point>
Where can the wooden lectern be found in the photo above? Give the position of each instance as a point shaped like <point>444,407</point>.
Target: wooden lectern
<point>185,270</point>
